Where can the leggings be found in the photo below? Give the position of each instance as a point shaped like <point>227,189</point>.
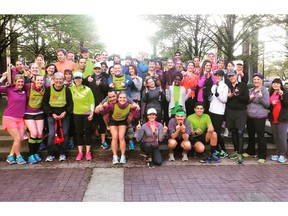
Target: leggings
<point>152,151</point>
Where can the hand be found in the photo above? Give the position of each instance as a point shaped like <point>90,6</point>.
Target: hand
<point>55,117</point>
<point>252,96</point>
<point>280,92</point>
<point>178,127</point>
<point>62,115</point>
<point>165,129</point>
<point>112,85</point>
<point>98,82</point>
<point>183,129</point>
<point>146,90</point>
<point>198,131</point>
<point>138,127</point>
<point>90,79</point>
<point>90,117</point>
<point>122,84</point>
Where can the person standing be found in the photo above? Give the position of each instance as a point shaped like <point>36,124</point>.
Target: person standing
<point>118,115</point>
<point>58,104</point>
<point>257,115</point>
<point>83,111</point>
<point>190,81</point>
<point>149,136</point>
<point>12,120</point>
<point>89,65</point>
<point>62,64</point>
<point>278,116</point>
<point>236,113</point>
<point>99,86</point>
<point>217,110</point>
<point>34,117</point>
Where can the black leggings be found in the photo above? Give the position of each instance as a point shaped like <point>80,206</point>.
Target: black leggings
<point>152,151</point>
<point>217,121</point>
<point>83,127</point>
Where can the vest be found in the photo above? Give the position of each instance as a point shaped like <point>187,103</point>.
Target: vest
<point>35,98</point>
<point>57,98</point>
<point>117,82</point>
<point>120,114</point>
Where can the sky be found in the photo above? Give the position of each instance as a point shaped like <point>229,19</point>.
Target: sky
<point>128,34</point>
<point>120,26</point>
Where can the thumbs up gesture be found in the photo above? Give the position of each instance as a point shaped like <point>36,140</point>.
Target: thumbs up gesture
<point>138,127</point>
<point>165,128</point>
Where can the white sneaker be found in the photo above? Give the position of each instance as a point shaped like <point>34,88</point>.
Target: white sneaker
<point>171,157</point>
<point>226,133</point>
<point>115,159</point>
<point>185,157</point>
<point>62,157</point>
<point>49,158</point>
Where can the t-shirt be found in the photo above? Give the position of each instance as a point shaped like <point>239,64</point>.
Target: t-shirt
<point>202,123</point>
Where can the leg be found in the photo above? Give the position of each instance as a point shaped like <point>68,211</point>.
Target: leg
<point>251,136</point>
<point>115,138</point>
<point>122,142</point>
<point>17,136</point>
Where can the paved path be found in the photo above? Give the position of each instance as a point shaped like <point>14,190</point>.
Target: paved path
<point>88,187</point>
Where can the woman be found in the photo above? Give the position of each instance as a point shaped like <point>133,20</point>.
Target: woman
<point>159,68</point>
<point>152,73</point>
<point>68,77</point>
<point>217,110</point>
<point>83,111</point>
<point>236,114</point>
<point>149,136</point>
<point>197,67</point>
<point>257,115</point>
<point>34,117</point>
<point>152,97</point>
<point>190,81</point>
<point>12,120</point>
<point>136,83</point>
<point>118,113</point>
<point>57,105</point>
<point>176,95</point>
<point>50,69</point>
<point>205,82</point>
<point>278,117</point>
<point>39,60</point>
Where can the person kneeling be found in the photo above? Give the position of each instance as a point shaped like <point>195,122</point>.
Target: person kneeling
<point>203,133</point>
<point>179,131</point>
<point>149,136</point>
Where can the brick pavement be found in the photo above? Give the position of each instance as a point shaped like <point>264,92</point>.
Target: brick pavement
<point>70,181</point>
<point>43,185</point>
<point>259,183</point>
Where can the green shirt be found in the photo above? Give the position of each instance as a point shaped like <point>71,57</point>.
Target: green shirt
<point>83,99</point>
<point>202,123</point>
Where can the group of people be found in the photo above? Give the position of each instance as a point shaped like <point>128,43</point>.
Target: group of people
<point>187,105</point>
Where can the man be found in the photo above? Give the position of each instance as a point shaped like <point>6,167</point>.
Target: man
<point>141,66</point>
<point>128,62</point>
<point>63,63</point>
<point>89,63</point>
<point>177,55</point>
<point>99,86</point>
<point>179,131</point>
<point>70,56</point>
<point>203,133</point>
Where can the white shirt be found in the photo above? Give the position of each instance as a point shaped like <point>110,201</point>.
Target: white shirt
<point>218,104</point>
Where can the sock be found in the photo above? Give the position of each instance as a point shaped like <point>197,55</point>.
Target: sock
<point>130,133</point>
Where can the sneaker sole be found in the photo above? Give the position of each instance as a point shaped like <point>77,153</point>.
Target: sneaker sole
<point>11,163</point>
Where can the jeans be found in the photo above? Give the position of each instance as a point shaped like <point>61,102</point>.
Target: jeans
<point>256,126</point>
<point>63,147</point>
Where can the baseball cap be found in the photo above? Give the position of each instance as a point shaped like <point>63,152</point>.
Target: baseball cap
<point>259,75</point>
<point>239,62</point>
<point>231,73</point>
<point>97,65</point>
<point>77,75</point>
<point>151,110</point>
<point>219,72</point>
<point>84,50</point>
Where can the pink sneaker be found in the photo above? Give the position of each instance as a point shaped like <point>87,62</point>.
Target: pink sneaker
<point>88,156</point>
<point>79,156</point>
